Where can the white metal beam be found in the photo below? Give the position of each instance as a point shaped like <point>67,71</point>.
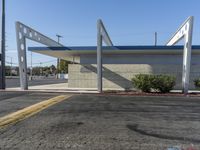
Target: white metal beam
<point>102,36</point>
<point>104,33</point>
<point>24,32</point>
<point>185,31</point>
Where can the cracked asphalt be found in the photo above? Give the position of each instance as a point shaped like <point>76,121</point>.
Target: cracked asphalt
<point>95,122</point>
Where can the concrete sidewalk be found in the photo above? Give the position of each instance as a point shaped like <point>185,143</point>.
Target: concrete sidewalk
<point>63,87</point>
<point>60,87</point>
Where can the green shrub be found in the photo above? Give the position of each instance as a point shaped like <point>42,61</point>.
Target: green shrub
<point>159,83</point>
<point>197,83</point>
<point>143,82</point>
<point>163,83</point>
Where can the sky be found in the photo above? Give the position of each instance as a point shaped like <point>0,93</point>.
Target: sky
<point>128,22</point>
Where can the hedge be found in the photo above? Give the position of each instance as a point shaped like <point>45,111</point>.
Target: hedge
<point>197,83</point>
<point>158,83</point>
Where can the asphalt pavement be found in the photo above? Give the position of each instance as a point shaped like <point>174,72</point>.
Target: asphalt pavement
<point>105,122</point>
<point>14,101</point>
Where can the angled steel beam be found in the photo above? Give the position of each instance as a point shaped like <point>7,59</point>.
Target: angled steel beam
<point>24,32</point>
<point>102,36</point>
<point>185,31</point>
<point>104,33</point>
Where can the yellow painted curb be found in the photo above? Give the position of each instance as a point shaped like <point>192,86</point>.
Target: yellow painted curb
<point>31,110</point>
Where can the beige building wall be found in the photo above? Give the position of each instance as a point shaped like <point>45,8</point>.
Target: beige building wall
<point>118,76</point>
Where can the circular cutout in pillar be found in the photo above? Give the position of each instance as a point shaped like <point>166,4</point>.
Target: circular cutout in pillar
<point>22,58</point>
<point>22,46</point>
<point>25,30</point>
<point>20,35</point>
<point>30,34</point>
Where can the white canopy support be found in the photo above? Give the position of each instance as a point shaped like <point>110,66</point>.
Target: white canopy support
<point>185,31</point>
<point>102,35</point>
<point>24,32</point>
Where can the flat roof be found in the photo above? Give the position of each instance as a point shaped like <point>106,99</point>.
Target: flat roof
<point>83,48</point>
<point>64,52</point>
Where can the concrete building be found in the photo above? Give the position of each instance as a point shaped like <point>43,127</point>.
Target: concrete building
<point>121,63</point>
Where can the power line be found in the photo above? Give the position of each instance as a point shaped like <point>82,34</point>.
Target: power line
<point>85,36</point>
<point>7,62</point>
<point>46,62</point>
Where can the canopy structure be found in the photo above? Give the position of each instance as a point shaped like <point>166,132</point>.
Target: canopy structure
<point>74,53</point>
<point>65,52</point>
<point>57,50</point>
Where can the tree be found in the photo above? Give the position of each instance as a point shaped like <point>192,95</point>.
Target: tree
<point>53,69</point>
<point>8,70</point>
<point>36,71</point>
<point>63,66</point>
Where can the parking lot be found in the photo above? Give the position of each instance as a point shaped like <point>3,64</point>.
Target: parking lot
<point>94,121</point>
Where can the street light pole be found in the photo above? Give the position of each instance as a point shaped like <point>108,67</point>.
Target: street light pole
<point>58,60</point>
<point>2,51</point>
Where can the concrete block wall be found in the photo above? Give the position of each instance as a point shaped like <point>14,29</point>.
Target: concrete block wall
<point>118,76</point>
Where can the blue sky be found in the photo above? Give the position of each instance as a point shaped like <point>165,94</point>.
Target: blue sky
<point>129,22</point>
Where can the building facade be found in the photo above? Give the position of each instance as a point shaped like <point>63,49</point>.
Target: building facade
<point>122,63</point>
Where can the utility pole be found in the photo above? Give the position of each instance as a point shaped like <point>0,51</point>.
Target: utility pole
<point>2,51</point>
<point>11,63</point>
<point>11,68</point>
<point>155,38</point>
<point>58,60</point>
<point>59,36</point>
<point>41,70</point>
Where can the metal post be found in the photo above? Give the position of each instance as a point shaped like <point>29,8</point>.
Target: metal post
<point>2,52</point>
<point>185,31</point>
<point>99,57</point>
<point>187,57</point>
<point>24,32</point>
<point>58,60</point>
<point>102,36</point>
<point>155,38</point>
